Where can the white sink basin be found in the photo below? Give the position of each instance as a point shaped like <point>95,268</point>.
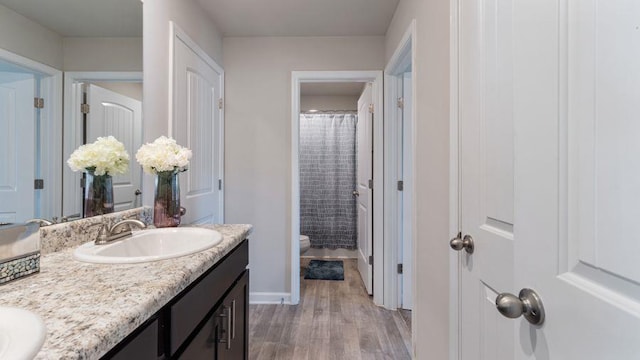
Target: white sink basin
<point>22,333</point>
<point>149,245</point>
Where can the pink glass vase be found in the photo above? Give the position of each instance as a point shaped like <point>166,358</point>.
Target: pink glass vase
<point>166,207</point>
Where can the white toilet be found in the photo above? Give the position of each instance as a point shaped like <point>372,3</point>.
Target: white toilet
<point>305,244</point>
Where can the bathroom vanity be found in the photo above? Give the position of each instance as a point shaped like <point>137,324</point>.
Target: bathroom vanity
<point>190,307</point>
<point>207,320</point>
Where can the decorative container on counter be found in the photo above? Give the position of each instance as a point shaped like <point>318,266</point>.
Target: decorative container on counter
<point>19,251</point>
<point>98,194</point>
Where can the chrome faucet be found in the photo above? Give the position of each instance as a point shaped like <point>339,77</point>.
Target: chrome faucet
<point>41,222</point>
<point>108,233</point>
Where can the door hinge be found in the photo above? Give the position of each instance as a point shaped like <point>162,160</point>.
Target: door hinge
<point>371,109</point>
<point>38,184</point>
<point>399,268</point>
<point>401,103</point>
<point>219,184</point>
<point>38,103</point>
<point>370,259</point>
<point>85,108</point>
<point>400,185</point>
<point>220,103</point>
<point>370,183</point>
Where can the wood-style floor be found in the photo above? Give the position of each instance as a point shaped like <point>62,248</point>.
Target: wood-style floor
<point>334,320</point>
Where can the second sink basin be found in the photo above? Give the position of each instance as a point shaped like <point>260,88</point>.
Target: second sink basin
<point>150,245</point>
<point>22,333</point>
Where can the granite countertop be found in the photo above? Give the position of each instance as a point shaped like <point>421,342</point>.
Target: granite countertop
<point>89,308</point>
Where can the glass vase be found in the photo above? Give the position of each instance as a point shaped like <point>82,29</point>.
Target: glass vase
<point>98,194</point>
<point>166,207</point>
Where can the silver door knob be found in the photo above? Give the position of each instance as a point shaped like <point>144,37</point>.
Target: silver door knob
<point>458,243</point>
<point>527,303</point>
<point>356,193</point>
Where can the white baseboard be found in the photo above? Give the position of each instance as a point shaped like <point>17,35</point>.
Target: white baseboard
<point>269,298</point>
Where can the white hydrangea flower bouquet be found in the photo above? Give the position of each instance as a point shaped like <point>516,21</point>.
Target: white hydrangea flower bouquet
<point>105,156</point>
<point>162,155</point>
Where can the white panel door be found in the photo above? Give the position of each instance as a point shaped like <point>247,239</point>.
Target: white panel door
<point>17,147</point>
<point>578,176</point>
<point>365,194</point>
<point>486,177</point>
<point>565,221</point>
<point>121,117</point>
<point>197,125</point>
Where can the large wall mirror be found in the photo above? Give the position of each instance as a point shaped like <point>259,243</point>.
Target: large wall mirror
<point>71,53</point>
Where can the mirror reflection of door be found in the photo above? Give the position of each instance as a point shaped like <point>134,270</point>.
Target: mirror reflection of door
<point>17,146</point>
<point>116,112</point>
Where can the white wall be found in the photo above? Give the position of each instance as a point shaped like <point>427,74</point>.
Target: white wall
<point>258,136</point>
<point>328,102</point>
<point>130,89</point>
<point>431,72</point>
<point>102,54</point>
<point>156,16</point>
<point>29,39</point>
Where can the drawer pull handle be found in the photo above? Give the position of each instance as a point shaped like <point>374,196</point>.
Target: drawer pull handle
<point>228,316</point>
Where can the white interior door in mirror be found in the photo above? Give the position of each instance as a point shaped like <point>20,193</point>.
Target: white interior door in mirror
<point>197,125</point>
<point>17,147</point>
<point>121,117</point>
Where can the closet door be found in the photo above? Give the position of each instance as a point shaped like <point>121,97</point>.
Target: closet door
<point>363,189</point>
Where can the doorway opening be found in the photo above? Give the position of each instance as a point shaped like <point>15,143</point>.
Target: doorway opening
<point>30,112</point>
<point>374,78</point>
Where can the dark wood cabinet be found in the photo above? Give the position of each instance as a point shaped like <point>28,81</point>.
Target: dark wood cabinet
<point>207,320</point>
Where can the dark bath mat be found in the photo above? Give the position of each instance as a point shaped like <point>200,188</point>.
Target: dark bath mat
<point>325,270</point>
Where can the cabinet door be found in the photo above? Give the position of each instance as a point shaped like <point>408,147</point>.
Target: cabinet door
<point>224,334</point>
<point>203,346</point>
<point>232,327</point>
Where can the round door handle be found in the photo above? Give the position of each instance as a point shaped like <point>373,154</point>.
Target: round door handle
<point>458,243</point>
<point>356,193</point>
<point>137,192</point>
<point>527,303</point>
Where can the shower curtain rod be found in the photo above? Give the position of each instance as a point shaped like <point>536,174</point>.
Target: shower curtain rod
<point>329,111</point>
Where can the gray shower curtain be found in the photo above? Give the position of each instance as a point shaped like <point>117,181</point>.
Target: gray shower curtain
<point>328,212</point>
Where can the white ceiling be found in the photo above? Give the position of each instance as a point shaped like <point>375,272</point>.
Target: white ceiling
<point>301,17</point>
<point>123,18</point>
<point>331,89</point>
<point>83,18</point>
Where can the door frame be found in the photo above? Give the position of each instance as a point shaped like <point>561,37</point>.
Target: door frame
<point>454,181</point>
<point>297,78</point>
<point>49,201</point>
<point>72,123</point>
<point>403,56</point>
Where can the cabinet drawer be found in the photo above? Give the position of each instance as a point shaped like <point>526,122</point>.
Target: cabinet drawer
<point>142,345</point>
<point>192,308</point>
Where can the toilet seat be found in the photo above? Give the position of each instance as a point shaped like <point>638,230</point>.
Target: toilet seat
<point>305,244</point>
